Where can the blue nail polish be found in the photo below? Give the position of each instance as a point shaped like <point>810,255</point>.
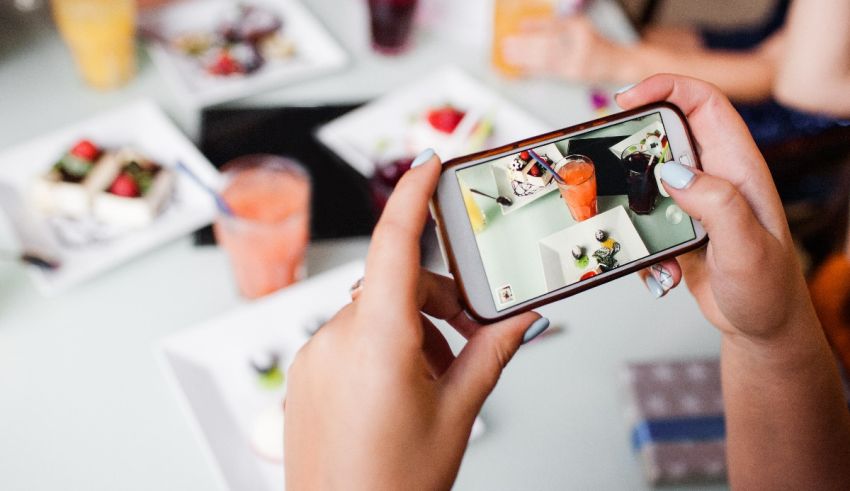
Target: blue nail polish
<point>423,157</point>
<point>677,175</point>
<point>624,89</point>
<point>535,329</point>
<point>654,287</point>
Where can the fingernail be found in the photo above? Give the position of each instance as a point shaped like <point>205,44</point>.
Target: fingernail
<point>654,287</point>
<point>356,286</point>
<point>535,329</point>
<point>423,157</point>
<point>624,89</point>
<point>662,276</point>
<point>677,175</point>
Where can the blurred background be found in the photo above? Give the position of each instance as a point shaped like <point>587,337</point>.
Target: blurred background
<point>187,190</point>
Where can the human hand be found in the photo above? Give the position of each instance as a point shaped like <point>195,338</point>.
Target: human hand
<point>747,280</point>
<point>377,399</point>
<point>567,47</point>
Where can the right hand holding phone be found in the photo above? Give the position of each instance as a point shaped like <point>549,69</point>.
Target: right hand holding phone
<point>747,280</point>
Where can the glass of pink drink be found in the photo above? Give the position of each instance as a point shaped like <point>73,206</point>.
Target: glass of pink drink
<point>268,233</point>
<point>392,23</point>
<point>579,186</point>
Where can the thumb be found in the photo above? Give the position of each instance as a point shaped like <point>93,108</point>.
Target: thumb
<point>736,235</point>
<point>473,375</point>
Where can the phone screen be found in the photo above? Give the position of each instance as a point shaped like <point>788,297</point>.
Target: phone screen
<point>537,233</point>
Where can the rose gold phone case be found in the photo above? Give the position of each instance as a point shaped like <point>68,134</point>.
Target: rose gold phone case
<point>576,287</point>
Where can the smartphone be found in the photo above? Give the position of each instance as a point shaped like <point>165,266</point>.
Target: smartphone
<point>544,218</point>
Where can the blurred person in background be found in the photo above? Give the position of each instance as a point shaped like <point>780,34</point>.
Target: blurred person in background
<point>742,62</point>
<point>814,75</point>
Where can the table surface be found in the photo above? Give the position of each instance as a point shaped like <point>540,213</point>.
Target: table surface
<point>85,406</point>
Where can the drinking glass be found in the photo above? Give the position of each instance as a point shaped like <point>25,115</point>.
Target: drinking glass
<point>101,37</point>
<point>579,186</point>
<point>267,235</point>
<point>508,18</point>
<point>640,180</point>
<point>392,22</point>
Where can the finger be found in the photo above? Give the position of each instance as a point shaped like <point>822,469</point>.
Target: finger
<point>355,289</point>
<point>438,297</point>
<point>436,349</point>
<point>728,149</point>
<point>661,277</point>
<point>392,265</point>
<point>737,238</point>
<point>477,368</point>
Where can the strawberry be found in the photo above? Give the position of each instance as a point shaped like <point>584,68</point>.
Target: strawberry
<point>535,171</point>
<point>524,156</point>
<point>85,150</point>
<point>124,185</point>
<point>224,64</point>
<point>589,274</point>
<point>445,119</point>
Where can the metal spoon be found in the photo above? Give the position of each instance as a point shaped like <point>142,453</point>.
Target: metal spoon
<point>32,259</point>
<point>501,199</point>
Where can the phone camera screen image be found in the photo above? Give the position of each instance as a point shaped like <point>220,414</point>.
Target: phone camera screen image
<point>594,203</point>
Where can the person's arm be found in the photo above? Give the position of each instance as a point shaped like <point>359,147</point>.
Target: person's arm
<point>814,72</point>
<point>741,75</point>
<point>572,48</point>
<point>788,426</point>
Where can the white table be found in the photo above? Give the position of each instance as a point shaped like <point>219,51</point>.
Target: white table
<point>84,406</point>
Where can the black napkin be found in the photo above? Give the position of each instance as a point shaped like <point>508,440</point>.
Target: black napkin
<point>341,203</point>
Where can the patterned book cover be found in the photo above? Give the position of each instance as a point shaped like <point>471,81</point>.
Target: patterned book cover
<point>676,416</point>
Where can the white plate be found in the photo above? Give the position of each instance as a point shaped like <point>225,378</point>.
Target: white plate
<point>317,52</point>
<point>379,130</point>
<point>635,139</point>
<point>208,367</point>
<point>501,173</point>
<point>559,268</point>
<point>140,125</point>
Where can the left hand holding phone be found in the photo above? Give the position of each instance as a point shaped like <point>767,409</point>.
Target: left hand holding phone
<point>377,399</point>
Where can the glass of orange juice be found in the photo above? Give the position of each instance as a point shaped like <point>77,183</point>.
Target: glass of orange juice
<point>267,233</point>
<point>579,186</point>
<point>101,36</point>
<point>508,17</point>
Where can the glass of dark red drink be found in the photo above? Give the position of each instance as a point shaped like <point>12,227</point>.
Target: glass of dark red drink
<point>392,21</point>
<point>640,180</point>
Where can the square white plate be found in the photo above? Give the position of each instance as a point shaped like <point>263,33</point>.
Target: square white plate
<point>360,135</point>
<point>501,173</point>
<point>209,369</point>
<point>559,268</point>
<point>317,52</point>
<point>635,139</point>
<point>141,125</point>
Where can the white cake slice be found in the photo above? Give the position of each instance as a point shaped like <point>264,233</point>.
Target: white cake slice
<point>132,211</point>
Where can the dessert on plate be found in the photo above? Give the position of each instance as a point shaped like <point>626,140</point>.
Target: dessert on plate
<point>435,127</point>
<point>66,189</point>
<point>240,45</point>
<point>137,190</point>
<point>113,187</point>
<point>605,256</point>
<point>527,175</point>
